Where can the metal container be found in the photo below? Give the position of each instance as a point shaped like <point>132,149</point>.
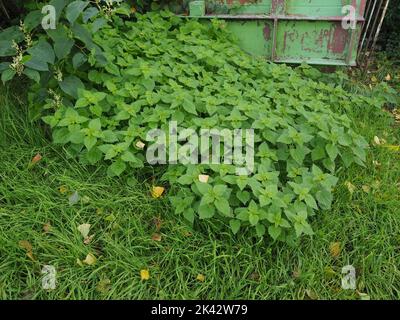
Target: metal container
<point>293,31</point>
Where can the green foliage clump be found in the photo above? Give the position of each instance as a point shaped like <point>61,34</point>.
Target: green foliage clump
<point>104,82</point>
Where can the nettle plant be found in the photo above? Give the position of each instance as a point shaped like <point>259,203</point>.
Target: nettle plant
<point>110,81</point>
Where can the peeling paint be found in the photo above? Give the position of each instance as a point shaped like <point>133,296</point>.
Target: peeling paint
<point>267,32</point>
<point>339,39</point>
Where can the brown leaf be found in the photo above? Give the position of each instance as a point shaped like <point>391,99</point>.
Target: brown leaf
<point>156,237</point>
<point>47,227</point>
<point>334,249</point>
<point>36,159</point>
<point>24,244</point>
<point>88,240</point>
<point>158,223</point>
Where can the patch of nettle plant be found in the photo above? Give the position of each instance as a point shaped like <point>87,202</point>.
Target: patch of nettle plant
<point>103,79</point>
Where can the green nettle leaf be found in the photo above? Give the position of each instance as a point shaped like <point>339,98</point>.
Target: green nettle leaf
<point>235,225</point>
<point>299,154</point>
<point>74,10</point>
<point>189,106</point>
<point>260,230</point>
<point>117,168</point>
<point>189,215</point>
<point>223,206</point>
<point>94,155</point>
<point>119,78</point>
<point>254,219</point>
<point>90,142</point>
<point>206,211</point>
<point>324,198</point>
<point>332,151</point>
<point>71,85</point>
<point>61,136</point>
<point>243,196</point>
<point>274,232</point>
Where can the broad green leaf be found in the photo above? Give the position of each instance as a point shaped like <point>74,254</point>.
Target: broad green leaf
<point>74,10</point>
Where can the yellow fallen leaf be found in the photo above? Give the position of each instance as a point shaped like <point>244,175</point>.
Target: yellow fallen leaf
<point>103,286</point>
<point>144,274</point>
<point>88,239</point>
<point>203,178</point>
<point>63,189</point>
<point>86,199</point>
<point>334,249</point>
<point>47,227</point>
<point>311,294</point>
<point>329,272</point>
<point>350,187</point>
<point>84,229</point>
<point>374,79</point>
<point>156,237</point>
<point>200,277</point>
<point>90,259</point>
<point>140,145</point>
<point>24,244</point>
<point>157,192</point>
<point>377,141</point>
<point>366,188</point>
<point>388,77</point>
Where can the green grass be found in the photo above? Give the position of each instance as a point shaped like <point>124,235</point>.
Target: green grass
<point>367,225</point>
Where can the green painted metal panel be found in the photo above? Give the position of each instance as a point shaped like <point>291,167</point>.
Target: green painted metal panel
<point>293,31</point>
<point>258,36</point>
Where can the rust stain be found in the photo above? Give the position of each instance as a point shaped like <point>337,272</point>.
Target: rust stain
<point>267,32</point>
<point>339,39</point>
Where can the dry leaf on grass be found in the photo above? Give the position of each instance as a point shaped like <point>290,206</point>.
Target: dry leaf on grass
<point>203,178</point>
<point>35,160</point>
<point>201,277</point>
<point>74,198</point>
<point>84,229</point>
<point>156,237</point>
<point>351,187</point>
<point>26,245</point>
<point>47,227</point>
<point>366,188</point>
<point>156,192</point>
<point>90,259</point>
<point>144,274</point>
<point>334,249</point>
<point>63,189</point>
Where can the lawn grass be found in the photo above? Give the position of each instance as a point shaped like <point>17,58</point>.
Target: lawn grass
<point>124,218</point>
